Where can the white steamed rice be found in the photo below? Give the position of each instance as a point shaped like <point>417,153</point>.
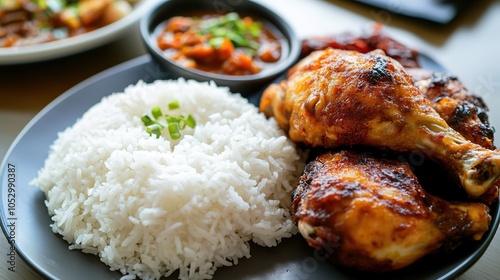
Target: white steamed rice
<point>151,206</point>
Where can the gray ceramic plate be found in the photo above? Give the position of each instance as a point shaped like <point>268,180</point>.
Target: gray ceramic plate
<point>48,253</point>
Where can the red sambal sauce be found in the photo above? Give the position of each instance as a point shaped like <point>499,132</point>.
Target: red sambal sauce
<point>223,44</point>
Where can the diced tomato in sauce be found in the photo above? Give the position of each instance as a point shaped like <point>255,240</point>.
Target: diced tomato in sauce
<point>184,40</point>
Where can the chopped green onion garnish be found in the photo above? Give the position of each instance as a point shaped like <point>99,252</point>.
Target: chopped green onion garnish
<point>146,120</point>
<point>171,119</point>
<point>173,105</point>
<point>156,111</point>
<point>255,29</point>
<point>238,39</point>
<point>174,124</point>
<point>174,131</point>
<point>232,17</point>
<point>220,32</point>
<point>190,121</point>
<point>182,122</point>
<point>216,42</point>
<point>240,26</point>
<point>155,129</point>
<point>234,28</point>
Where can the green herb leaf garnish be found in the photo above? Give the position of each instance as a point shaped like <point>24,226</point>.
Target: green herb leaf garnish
<point>234,28</point>
<point>216,42</point>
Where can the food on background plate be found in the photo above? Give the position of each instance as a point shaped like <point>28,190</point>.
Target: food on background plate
<point>151,203</point>
<point>369,40</point>
<point>370,212</point>
<point>29,22</point>
<point>227,44</point>
<point>361,199</point>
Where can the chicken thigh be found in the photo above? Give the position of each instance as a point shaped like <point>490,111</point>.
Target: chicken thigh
<point>335,98</point>
<point>371,213</point>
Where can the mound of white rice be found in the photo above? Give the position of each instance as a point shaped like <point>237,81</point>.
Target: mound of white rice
<point>149,206</point>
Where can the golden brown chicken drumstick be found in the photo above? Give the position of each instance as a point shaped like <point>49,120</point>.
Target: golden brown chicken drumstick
<point>461,109</point>
<point>372,214</point>
<point>336,98</point>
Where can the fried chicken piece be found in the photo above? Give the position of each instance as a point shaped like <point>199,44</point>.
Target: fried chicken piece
<point>367,41</point>
<point>463,111</point>
<point>336,98</point>
<point>372,214</point>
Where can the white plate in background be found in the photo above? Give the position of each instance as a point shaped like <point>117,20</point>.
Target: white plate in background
<point>68,46</point>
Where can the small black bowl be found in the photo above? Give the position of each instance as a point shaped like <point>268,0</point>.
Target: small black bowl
<point>244,84</point>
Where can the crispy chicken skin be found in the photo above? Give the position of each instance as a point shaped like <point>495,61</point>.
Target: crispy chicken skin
<point>371,39</point>
<point>372,214</point>
<point>464,111</point>
<point>335,98</point>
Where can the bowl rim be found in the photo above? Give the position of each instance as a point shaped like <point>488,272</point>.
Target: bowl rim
<point>147,26</point>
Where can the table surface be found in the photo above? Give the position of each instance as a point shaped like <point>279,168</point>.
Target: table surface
<point>468,47</point>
